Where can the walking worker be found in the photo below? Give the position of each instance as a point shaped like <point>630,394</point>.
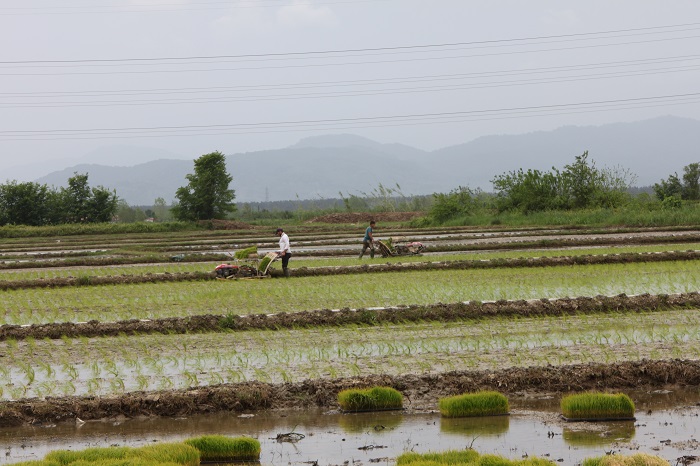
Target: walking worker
<point>368,241</point>
<point>285,252</point>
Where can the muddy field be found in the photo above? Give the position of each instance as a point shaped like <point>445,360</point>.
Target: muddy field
<point>527,348</point>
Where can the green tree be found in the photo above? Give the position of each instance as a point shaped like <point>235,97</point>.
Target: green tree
<point>23,203</point>
<point>686,187</point>
<point>160,209</point>
<point>458,202</point>
<point>207,195</point>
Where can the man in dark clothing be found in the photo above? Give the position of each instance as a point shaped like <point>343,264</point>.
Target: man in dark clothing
<point>368,241</point>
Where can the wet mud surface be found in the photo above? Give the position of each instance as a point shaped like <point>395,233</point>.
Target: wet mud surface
<point>421,391</point>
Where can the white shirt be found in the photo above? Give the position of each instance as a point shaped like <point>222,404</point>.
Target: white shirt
<point>284,243</point>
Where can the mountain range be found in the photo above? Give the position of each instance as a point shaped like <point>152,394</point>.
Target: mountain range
<point>324,166</point>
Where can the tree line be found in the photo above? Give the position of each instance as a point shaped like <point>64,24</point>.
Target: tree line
<point>579,185</point>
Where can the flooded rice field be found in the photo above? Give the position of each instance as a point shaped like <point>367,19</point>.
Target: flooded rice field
<point>667,424</point>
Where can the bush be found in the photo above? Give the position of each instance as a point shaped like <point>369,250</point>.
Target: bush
<point>485,403</point>
<point>221,448</point>
<point>370,399</point>
<point>597,406</point>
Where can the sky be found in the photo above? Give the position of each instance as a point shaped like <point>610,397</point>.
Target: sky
<point>122,81</point>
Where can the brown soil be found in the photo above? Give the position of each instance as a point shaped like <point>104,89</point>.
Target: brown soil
<point>421,391</point>
<point>329,318</point>
<point>366,217</point>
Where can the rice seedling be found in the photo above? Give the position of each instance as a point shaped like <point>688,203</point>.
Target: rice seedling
<point>466,457</point>
<point>221,448</point>
<point>638,459</point>
<point>483,403</point>
<point>370,399</point>
<point>597,406</point>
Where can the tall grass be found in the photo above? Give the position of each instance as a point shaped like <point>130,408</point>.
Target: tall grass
<point>484,403</point>
<point>597,406</point>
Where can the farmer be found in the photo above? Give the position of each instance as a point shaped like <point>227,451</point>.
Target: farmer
<point>285,252</point>
<point>368,241</point>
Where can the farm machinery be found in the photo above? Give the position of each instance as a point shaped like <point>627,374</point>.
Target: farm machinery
<point>397,247</point>
<point>246,264</point>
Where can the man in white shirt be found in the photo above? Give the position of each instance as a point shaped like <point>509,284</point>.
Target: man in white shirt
<point>285,252</point>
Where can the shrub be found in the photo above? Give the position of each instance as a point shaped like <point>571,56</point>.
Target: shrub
<point>370,399</point>
<point>221,448</point>
<point>597,406</point>
<point>484,403</point>
<point>638,459</point>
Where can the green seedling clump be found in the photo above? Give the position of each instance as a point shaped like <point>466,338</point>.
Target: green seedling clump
<point>370,399</point>
<point>638,459</point>
<point>465,458</point>
<point>263,263</point>
<point>221,448</point>
<point>597,406</point>
<point>484,403</point>
<point>244,253</point>
<point>163,454</point>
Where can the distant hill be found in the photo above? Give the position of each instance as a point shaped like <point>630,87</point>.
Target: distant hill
<point>321,167</point>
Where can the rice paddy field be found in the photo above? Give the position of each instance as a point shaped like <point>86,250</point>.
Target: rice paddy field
<point>96,327</point>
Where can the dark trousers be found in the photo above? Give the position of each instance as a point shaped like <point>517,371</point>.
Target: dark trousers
<point>285,260</point>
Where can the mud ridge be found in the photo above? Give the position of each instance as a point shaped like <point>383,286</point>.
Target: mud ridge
<point>363,316</point>
<point>421,391</point>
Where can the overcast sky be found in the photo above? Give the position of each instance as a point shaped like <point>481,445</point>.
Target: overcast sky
<point>193,76</point>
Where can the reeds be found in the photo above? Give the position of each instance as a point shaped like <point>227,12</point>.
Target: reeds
<point>597,406</point>
<point>483,403</point>
<point>370,399</point>
<point>221,448</point>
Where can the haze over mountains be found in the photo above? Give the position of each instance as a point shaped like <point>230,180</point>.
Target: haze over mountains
<point>323,166</point>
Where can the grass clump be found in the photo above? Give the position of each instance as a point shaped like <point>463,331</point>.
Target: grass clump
<point>64,457</point>
<point>638,459</point>
<point>264,262</point>
<point>484,403</point>
<point>597,406</point>
<point>162,454</point>
<point>244,253</point>
<point>465,458</point>
<point>370,399</point>
<point>221,448</point>
<point>178,453</point>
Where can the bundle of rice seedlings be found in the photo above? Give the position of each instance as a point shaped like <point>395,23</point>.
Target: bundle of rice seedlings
<point>638,459</point>
<point>484,403</point>
<point>597,406</point>
<point>221,448</point>
<point>265,261</point>
<point>64,457</point>
<point>465,458</point>
<point>370,399</point>
<point>244,253</point>
<point>178,453</point>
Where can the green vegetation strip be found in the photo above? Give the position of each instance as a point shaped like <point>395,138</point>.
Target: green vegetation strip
<point>466,458</point>
<point>326,318</point>
<point>615,459</point>
<point>626,258</point>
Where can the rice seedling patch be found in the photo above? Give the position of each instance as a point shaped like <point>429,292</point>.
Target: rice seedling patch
<point>597,407</point>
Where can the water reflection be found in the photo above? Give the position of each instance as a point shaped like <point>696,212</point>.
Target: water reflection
<point>475,426</point>
<point>667,424</point>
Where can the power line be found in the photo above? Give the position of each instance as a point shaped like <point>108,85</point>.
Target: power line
<point>272,126</point>
<point>585,35</point>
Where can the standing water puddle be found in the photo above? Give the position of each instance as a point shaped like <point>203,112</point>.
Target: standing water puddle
<point>667,425</point>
